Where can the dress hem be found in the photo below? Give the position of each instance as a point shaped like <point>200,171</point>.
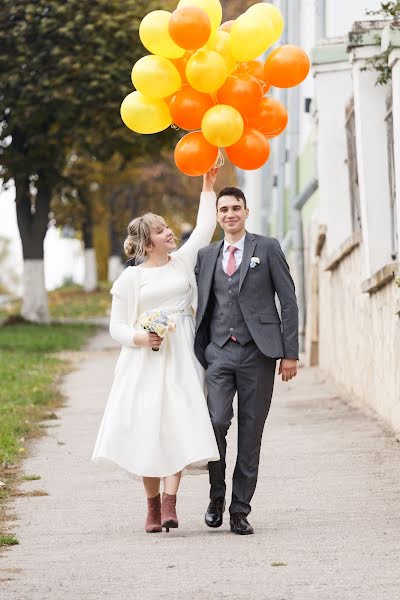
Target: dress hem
<point>195,467</point>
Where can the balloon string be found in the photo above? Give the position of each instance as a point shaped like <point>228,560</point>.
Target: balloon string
<point>220,160</point>
<point>174,126</point>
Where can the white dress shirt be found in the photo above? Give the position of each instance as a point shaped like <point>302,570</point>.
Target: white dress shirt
<point>238,254</point>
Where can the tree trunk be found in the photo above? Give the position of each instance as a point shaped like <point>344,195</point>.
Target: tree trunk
<point>32,224</point>
<point>90,266</point>
<point>115,266</point>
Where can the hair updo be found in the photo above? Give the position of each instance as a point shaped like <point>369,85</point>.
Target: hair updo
<point>139,234</point>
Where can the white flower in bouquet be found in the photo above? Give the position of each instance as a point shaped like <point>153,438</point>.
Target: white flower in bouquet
<point>159,321</point>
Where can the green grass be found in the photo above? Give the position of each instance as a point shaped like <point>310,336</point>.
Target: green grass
<point>71,302</point>
<point>30,477</point>
<point>8,540</point>
<point>32,339</point>
<point>29,371</point>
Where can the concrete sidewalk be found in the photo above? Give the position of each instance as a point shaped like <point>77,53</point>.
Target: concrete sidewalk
<point>326,511</point>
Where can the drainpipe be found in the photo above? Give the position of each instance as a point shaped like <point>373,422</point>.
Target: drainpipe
<point>287,242</point>
<point>282,141</point>
<point>301,199</point>
<point>320,20</point>
<point>266,204</point>
<point>267,175</point>
<point>295,217</point>
<point>293,129</point>
<point>298,247</point>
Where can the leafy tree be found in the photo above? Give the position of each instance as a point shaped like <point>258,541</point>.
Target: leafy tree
<point>233,8</point>
<point>388,9</point>
<point>65,70</point>
<point>118,191</point>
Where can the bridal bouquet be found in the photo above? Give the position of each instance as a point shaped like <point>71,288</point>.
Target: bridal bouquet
<point>159,321</point>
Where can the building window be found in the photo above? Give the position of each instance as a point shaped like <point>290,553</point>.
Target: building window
<point>392,179</point>
<point>352,166</point>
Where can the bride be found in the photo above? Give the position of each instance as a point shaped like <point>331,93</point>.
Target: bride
<point>156,424</point>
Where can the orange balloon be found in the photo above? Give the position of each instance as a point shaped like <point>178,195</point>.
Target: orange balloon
<point>251,151</point>
<point>286,66</point>
<point>180,64</point>
<point>193,155</point>
<point>256,69</point>
<point>188,107</point>
<point>243,92</point>
<point>270,117</point>
<point>227,26</point>
<point>190,27</point>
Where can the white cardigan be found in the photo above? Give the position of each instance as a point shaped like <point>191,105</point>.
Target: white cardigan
<point>125,290</point>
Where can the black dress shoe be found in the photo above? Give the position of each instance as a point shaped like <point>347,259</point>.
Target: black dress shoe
<point>215,511</point>
<point>240,524</point>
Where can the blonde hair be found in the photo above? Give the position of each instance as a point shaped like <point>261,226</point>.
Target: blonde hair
<point>139,234</point>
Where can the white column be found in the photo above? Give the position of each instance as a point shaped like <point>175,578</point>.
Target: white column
<point>254,188</point>
<point>341,14</point>
<point>372,161</point>
<point>333,88</point>
<point>394,63</point>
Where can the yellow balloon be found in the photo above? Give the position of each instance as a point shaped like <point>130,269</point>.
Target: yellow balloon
<point>206,71</point>
<point>212,7</point>
<point>220,42</point>
<point>145,115</point>
<point>154,35</point>
<point>156,77</point>
<point>222,125</point>
<point>250,36</point>
<point>272,14</point>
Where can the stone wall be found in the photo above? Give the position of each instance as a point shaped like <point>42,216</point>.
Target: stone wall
<point>359,336</point>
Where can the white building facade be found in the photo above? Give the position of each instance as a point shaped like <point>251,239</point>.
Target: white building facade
<point>339,165</point>
<point>356,303</point>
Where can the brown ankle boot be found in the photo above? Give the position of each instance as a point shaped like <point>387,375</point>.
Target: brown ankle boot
<point>168,512</point>
<point>153,521</point>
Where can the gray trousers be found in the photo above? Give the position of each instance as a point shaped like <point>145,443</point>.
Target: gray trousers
<point>245,370</point>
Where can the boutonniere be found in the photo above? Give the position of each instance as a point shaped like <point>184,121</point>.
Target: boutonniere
<point>254,262</point>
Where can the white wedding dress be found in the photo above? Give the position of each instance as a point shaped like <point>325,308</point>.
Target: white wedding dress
<point>156,421</point>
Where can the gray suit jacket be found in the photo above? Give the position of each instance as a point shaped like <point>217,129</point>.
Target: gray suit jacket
<point>257,289</point>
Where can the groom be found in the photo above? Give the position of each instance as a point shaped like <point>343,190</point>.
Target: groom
<point>239,337</point>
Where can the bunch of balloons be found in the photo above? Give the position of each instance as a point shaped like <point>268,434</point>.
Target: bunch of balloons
<point>205,78</point>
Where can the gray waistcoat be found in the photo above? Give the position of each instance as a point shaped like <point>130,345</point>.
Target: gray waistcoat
<point>227,318</point>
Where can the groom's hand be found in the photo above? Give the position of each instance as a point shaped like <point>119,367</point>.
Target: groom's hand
<point>288,368</point>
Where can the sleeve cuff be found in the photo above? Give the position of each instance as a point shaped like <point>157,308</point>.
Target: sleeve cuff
<point>211,194</point>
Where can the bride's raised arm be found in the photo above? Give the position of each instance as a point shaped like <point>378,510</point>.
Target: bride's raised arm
<point>206,221</point>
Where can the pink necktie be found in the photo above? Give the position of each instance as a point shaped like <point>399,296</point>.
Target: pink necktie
<point>231,266</point>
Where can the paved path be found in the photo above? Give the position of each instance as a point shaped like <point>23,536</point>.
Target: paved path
<point>326,510</point>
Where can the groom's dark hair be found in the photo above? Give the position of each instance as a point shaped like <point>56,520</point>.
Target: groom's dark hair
<point>232,191</point>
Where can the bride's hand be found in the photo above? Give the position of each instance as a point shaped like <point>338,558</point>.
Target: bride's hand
<point>147,340</point>
<point>209,180</point>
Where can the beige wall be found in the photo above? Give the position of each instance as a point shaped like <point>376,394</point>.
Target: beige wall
<point>359,336</point>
